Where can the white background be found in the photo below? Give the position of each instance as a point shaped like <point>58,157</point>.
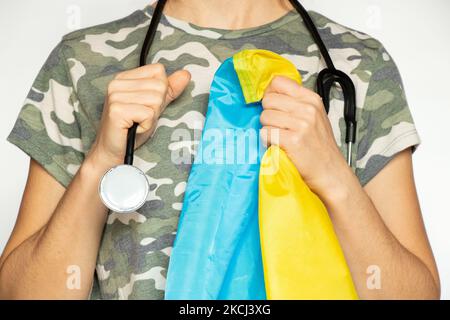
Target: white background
<point>415,32</point>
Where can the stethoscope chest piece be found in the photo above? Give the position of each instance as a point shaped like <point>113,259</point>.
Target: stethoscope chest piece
<point>124,189</point>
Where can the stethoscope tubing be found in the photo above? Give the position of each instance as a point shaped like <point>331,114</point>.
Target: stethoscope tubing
<point>331,76</point>
<point>150,36</point>
<point>126,199</point>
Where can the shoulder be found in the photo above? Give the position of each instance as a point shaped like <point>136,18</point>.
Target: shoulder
<point>87,59</point>
<point>105,44</point>
<point>113,27</point>
<point>339,34</point>
<point>357,52</point>
<point>385,123</point>
<point>364,58</point>
<point>84,61</point>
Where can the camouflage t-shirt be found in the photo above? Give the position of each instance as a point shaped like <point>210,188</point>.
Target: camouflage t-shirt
<point>60,118</point>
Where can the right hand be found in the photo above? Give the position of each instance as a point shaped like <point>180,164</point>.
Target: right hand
<point>138,95</point>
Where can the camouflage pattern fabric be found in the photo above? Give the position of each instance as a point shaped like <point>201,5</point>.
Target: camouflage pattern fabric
<point>61,115</point>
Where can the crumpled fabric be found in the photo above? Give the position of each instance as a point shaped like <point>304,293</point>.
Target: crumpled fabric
<point>218,251</point>
<point>301,254</point>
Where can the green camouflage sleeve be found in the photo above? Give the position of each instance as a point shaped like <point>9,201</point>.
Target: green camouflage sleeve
<point>47,128</point>
<point>385,123</point>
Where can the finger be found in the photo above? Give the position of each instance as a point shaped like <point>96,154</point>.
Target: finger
<point>281,102</point>
<point>148,98</point>
<point>296,107</point>
<point>284,85</point>
<point>124,115</point>
<point>155,70</point>
<point>147,124</point>
<point>279,119</point>
<point>121,85</point>
<point>313,99</point>
<point>287,86</point>
<point>177,82</point>
<point>273,136</point>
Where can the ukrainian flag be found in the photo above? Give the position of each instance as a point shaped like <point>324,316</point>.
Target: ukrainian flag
<point>250,227</point>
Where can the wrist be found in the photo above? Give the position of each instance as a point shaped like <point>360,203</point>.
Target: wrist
<point>97,164</point>
<point>338,184</point>
<point>87,184</point>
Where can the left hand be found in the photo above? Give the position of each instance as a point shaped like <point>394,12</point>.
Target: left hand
<point>296,117</point>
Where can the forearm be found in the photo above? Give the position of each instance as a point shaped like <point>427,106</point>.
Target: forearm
<point>38,268</point>
<point>366,241</point>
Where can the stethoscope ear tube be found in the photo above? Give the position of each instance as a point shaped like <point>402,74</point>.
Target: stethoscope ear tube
<point>328,77</point>
<point>325,81</point>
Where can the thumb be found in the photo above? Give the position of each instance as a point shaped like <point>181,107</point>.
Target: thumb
<point>177,82</point>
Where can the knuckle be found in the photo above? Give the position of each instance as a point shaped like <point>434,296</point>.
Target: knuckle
<point>114,110</point>
<point>309,123</point>
<point>264,117</point>
<point>303,125</point>
<point>314,110</point>
<point>264,134</point>
<point>159,68</point>
<point>318,99</point>
<point>160,100</point>
<point>295,139</point>
<point>160,85</point>
<point>263,131</point>
<point>277,80</point>
<point>274,135</point>
<point>118,76</point>
<point>157,99</point>
<point>111,86</point>
<point>113,97</point>
<point>145,126</point>
<point>316,96</point>
<point>150,114</point>
<point>267,101</point>
<point>313,113</point>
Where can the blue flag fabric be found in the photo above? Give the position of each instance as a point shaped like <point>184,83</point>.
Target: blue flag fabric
<point>217,252</point>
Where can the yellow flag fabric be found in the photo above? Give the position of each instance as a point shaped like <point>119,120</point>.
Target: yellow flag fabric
<point>301,254</point>
<point>257,68</point>
<point>302,257</point>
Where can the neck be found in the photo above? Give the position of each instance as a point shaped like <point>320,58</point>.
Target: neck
<point>227,14</point>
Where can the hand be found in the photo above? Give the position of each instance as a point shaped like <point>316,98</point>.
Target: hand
<point>295,116</point>
<point>139,95</point>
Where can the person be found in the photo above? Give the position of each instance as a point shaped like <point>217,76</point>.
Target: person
<point>74,125</point>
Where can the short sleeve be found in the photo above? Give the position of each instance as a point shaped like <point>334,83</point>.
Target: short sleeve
<point>47,128</point>
<point>386,126</point>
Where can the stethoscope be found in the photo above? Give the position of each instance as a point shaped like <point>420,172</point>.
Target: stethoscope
<point>125,188</point>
